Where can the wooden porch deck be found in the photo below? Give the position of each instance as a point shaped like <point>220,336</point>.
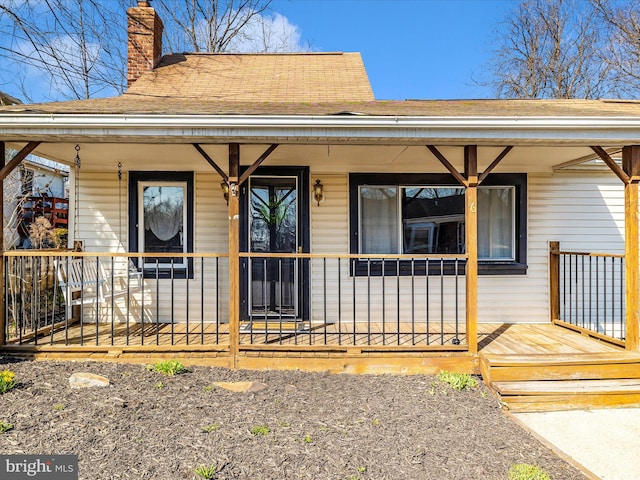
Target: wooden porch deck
<point>548,367</point>
<point>493,338</point>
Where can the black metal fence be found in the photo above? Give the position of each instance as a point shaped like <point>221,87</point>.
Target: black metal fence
<point>130,299</point>
<point>75,298</point>
<point>389,300</point>
<point>592,292</point>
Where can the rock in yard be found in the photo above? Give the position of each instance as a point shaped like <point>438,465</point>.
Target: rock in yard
<point>241,386</point>
<point>87,380</point>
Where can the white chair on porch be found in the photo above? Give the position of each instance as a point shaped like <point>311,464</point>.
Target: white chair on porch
<point>83,281</point>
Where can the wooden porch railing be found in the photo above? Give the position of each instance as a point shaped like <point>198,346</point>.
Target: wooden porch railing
<point>390,302</point>
<point>588,293</point>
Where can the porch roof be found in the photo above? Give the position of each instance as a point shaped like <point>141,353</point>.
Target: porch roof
<point>138,103</point>
<point>134,118</point>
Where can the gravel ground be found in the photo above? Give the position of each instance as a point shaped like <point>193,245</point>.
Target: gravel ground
<point>146,425</point>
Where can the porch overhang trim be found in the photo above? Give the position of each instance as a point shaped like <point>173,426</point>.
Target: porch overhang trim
<point>292,129</point>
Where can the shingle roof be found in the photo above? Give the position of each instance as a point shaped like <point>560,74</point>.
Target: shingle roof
<point>131,103</point>
<point>289,77</point>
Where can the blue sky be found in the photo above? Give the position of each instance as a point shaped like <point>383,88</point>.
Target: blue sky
<point>428,49</point>
<point>411,48</point>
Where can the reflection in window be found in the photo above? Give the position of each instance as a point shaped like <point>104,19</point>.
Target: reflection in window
<point>163,219</point>
<point>426,219</point>
<point>273,214</point>
<point>433,220</point>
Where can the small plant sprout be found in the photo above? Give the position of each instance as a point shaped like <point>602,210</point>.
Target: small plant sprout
<point>209,388</point>
<point>432,389</point>
<point>206,472</point>
<point>58,407</point>
<point>158,385</point>
<point>375,422</point>
<point>457,381</point>
<point>260,430</point>
<point>214,427</point>
<point>308,439</point>
<point>5,427</point>
<point>7,381</point>
<point>524,471</point>
<point>170,367</point>
<point>362,469</point>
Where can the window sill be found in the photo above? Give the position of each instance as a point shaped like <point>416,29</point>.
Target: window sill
<point>417,268</point>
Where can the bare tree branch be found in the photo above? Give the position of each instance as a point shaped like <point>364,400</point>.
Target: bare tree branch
<point>552,49</point>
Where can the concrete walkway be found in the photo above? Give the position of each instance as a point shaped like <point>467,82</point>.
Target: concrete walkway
<point>606,443</point>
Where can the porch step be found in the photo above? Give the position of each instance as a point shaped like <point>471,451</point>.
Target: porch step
<point>563,381</point>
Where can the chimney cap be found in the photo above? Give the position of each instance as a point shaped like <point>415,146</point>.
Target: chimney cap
<point>143,3</point>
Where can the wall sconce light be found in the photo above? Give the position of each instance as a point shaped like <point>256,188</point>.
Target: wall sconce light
<point>225,191</point>
<point>318,191</point>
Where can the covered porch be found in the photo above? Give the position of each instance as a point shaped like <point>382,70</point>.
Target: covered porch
<point>416,312</point>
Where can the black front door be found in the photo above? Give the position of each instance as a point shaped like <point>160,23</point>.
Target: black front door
<point>275,220</point>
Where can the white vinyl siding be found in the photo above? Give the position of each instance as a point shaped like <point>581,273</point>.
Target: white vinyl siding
<point>103,227</point>
<point>584,212</point>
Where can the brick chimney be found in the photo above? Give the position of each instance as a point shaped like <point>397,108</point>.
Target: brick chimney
<point>145,40</point>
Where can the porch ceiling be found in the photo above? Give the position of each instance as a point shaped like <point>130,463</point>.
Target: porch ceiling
<point>321,157</point>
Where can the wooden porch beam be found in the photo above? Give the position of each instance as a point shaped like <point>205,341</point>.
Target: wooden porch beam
<point>471,243</point>
<point>436,153</point>
<point>494,164</point>
<point>615,168</point>
<point>234,251</point>
<point>631,167</point>
<point>224,176</point>
<point>256,164</point>
<point>15,161</point>
<point>3,319</point>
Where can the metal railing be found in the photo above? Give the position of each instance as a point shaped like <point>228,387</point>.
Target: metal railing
<point>72,298</point>
<point>170,299</point>
<point>360,300</point>
<point>591,293</point>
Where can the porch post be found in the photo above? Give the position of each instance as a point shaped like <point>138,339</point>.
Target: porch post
<point>234,250</point>
<point>471,242</point>
<point>631,166</point>
<point>554,281</point>
<point>3,320</point>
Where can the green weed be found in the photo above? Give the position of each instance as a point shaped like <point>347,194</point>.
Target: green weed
<point>206,472</point>
<point>5,427</point>
<point>169,367</point>
<point>260,430</point>
<point>524,471</point>
<point>7,381</point>
<point>58,407</point>
<point>457,381</point>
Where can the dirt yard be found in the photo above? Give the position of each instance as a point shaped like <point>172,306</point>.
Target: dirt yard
<point>146,425</point>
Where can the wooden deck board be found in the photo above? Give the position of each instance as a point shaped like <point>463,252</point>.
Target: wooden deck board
<point>568,387</point>
<point>494,339</point>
